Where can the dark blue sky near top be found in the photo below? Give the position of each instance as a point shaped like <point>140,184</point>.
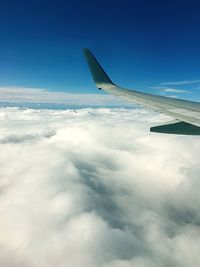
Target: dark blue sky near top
<point>140,43</point>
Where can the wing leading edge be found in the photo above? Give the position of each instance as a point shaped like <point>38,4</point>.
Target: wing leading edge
<point>186,113</point>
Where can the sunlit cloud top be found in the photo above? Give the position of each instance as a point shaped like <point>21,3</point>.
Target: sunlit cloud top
<point>92,187</point>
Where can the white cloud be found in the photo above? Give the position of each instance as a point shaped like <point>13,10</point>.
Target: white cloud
<point>92,187</point>
<point>37,95</point>
<point>180,82</point>
<point>174,90</point>
<point>169,90</point>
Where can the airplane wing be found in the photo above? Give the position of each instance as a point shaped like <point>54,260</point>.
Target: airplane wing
<point>186,113</point>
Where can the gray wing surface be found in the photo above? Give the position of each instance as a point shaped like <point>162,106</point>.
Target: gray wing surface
<point>186,113</point>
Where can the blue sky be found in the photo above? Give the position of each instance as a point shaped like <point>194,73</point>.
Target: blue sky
<point>142,44</point>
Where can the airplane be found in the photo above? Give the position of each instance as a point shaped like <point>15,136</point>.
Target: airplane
<point>186,114</point>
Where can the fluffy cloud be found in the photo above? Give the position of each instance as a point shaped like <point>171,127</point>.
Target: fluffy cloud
<point>93,187</point>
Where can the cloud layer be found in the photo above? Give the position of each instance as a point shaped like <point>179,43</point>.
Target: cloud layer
<point>37,95</point>
<point>92,187</point>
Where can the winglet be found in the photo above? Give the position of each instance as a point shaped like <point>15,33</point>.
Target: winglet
<point>98,74</point>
